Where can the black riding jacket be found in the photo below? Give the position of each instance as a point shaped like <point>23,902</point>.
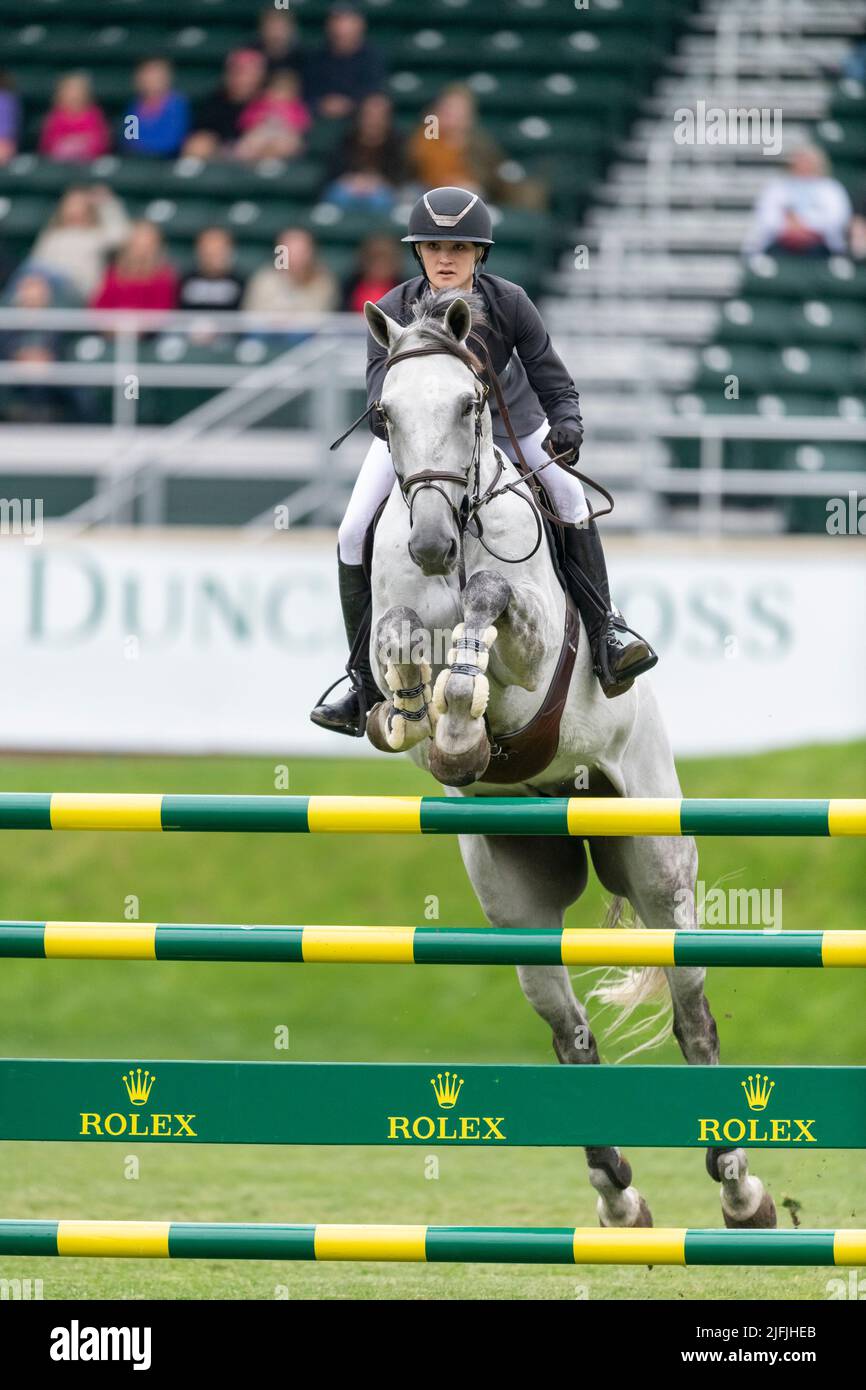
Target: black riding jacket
<point>534,380</point>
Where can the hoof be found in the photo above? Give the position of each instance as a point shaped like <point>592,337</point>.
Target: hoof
<point>763,1218</point>
<point>377,728</point>
<point>460,769</point>
<point>643,1217</point>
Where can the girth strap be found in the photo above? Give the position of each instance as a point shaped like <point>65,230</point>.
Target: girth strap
<point>523,754</point>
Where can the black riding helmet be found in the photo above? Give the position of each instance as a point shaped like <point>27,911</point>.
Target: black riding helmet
<point>450,214</point>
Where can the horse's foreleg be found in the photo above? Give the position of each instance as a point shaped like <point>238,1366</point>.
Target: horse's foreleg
<point>493,611</point>
<point>401,651</point>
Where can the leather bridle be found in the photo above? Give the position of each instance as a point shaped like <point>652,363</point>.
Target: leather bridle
<point>467,514</point>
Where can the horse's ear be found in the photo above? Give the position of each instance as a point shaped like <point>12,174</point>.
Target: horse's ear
<point>458,319</point>
<point>383,329</point>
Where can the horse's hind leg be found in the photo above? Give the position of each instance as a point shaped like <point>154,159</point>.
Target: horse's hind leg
<point>523,882</point>
<point>658,878</point>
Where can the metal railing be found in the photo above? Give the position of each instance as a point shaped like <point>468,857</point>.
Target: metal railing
<point>277,360</point>
<point>326,355</point>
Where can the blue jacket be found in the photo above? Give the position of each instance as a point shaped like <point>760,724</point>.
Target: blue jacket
<point>162,133</point>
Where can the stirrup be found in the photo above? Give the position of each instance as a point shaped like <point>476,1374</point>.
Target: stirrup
<point>619,624</point>
<point>617,683</point>
<point>357,684</point>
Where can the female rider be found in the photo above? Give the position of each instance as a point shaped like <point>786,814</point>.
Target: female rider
<point>450,233</point>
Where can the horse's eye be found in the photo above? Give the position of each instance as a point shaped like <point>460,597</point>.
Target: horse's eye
<point>467,407</point>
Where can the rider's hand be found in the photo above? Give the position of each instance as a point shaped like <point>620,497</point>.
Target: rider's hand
<point>563,439</point>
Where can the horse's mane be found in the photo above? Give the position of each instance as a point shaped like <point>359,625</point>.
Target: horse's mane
<point>428,315</point>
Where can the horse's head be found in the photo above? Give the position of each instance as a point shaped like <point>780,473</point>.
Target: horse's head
<point>432,401</point>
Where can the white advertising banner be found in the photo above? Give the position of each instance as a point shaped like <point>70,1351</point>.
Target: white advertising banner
<point>214,643</point>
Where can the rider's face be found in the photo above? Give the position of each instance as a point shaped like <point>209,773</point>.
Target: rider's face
<point>449,264</point>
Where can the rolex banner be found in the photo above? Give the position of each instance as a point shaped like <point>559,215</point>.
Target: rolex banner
<point>221,643</point>
<point>437,1103</point>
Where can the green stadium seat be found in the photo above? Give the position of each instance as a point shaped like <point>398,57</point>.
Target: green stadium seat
<point>748,364</point>
<point>761,321</point>
<point>24,216</point>
<point>828,321</point>
<point>827,369</point>
<point>780,321</point>
<point>796,277</point>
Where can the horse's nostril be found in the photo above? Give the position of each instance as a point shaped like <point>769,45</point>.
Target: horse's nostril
<point>435,555</point>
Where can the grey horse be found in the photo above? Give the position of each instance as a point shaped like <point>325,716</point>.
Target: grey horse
<point>464,642</point>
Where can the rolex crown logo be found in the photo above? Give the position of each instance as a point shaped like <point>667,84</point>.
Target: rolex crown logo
<point>757,1089</point>
<point>447,1088</point>
<point>138,1083</point>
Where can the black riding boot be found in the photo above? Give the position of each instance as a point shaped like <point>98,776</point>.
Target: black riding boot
<point>348,714</point>
<point>616,663</point>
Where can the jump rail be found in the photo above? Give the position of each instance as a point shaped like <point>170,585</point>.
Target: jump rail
<point>393,1104</point>
<point>433,1244</point>
<point>360,945</point>
<point>431,815</point>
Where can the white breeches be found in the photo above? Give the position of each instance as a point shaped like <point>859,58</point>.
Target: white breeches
<point>376,479</point>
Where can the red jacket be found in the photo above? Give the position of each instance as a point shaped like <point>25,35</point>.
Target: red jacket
<point>75,135</point>
<point>156,291</point>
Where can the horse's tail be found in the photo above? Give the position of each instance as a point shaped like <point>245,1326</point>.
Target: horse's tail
<point>625,989</point>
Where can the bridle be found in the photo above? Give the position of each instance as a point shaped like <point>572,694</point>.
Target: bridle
<point>467,514</point>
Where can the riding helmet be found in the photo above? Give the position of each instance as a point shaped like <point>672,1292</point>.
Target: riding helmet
<point>450,214</point>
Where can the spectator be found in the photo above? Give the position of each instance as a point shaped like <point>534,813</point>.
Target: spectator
<point>37,400</point>
<point>32,292</point>
<point>380,268</point>
<point>279,42</point>
<point>75,128</point>
<point>141,277</point>
<point>369,164</point>
<point>272,125</point>
<point>213,283</point>
<point>858,227</point>
<point>854,66</point>
<point>89,224</point>
<point>347,68</point>
<point>215,121</point>
<point>298,282</point>
<point>802,213</point>
<point>162,114</point>
<point>455,152</point>
<point>10,118</point>
<point>7,266</point>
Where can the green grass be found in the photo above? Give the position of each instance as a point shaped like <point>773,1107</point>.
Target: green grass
<point>389,1013</point>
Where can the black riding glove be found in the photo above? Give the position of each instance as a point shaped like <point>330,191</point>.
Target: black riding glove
<point>564,438</point>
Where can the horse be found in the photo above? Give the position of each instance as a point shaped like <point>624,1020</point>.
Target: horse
<point>467,625</point>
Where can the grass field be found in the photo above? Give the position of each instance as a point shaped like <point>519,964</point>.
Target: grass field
<point>371,1013</point>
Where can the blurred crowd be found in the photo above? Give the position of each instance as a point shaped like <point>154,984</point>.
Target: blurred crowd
<point>269,97</point>
<point>92,254</point>
<point>273,94</point>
